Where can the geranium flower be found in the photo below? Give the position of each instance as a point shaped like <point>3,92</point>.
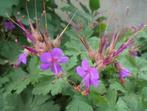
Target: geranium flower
<point>89,74</point>
<point>123,72</point>
<point>52,60</point>
<point>9,25</point>
<point>23,57</point>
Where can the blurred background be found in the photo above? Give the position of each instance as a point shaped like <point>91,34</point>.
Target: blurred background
<point>120,13</point>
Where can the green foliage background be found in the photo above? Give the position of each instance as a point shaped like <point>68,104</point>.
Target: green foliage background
<point>27,88</point>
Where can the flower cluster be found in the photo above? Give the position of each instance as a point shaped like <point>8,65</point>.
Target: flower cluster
<point>41,42</point>
<point>52,57</point>
<point>106,55</point>
<point>49,60</point>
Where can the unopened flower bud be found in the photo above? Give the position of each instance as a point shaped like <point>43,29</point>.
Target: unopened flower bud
<point>91,54</point>
<point>85,92</point>
<point>57,42</point>
<point>77,88</point>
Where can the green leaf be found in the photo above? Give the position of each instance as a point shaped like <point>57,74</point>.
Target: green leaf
<point>87,32</point>
<point>31,10</point>
<point>6,7</point>
<point>27,102</point>
<point>144,96</point>
<point>100,89</point>
<point>78,105</point>
<point>100,29</point>
<point>117,86</point>
<point>85,9</point>
<point>94,4</point>
<point>16,74</point>
<point>142,70</point>
<point>143,34</point>
<point>18,86</point>
<point>71,63</point>
<point>121,105</point>
<point>2,103</point>
<point>34,65</point>
<point>98,99</point>
<point>3,61</point>
<point>58,86</point>
<point>22,85</point>
<point>112,96</point>
<point>4,80</point>
<point>18,81</point>
<point>9,50</point>
<point>43,103</point>
<point>94,42</point>
<point>134,102</point>
<point>53,86</point>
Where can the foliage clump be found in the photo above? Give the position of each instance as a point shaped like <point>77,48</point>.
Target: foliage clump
<point>50,64</point>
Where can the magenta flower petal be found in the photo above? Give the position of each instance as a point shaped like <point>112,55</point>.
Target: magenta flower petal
<point>95,82</point>
<point>44,66</point>
<point>54,58</point>
<point>94,73</point>
<point>23,57</point>
<point>124,73</point>
<point>89,74</point>
<point>9,25</point>
<point>87,81</point>
<point>94,77</point>
<point>45,57</point>
<point>80,71</point>
<point>56,69</point>
<point>85,64</point>
<point>57,52</point>
<point>63,59</point>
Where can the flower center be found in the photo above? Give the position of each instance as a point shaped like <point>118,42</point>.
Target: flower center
<point>54,60</point>
<point>87,71</point>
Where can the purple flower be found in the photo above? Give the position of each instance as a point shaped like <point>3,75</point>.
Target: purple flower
<point>9,25</point>
<point>23,57</point>
<point>123,72</point>
<point>52,60</point>
<point>89,74</point>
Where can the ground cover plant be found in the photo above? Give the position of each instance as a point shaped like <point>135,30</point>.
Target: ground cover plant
<point>48,63</point>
